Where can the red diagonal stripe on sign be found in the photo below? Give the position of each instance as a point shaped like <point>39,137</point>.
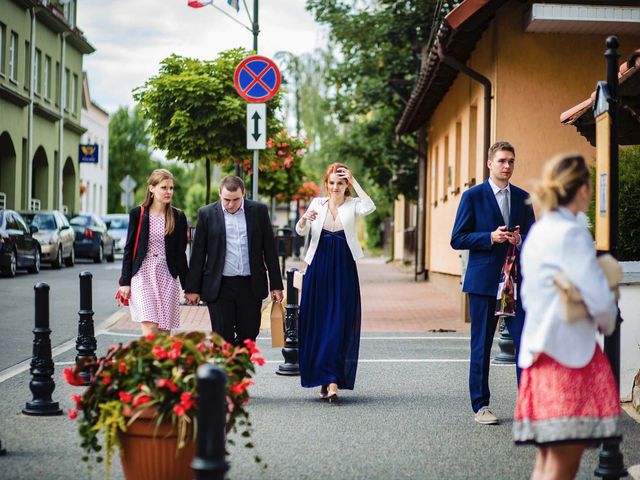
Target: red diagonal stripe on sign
<point>257,79</point>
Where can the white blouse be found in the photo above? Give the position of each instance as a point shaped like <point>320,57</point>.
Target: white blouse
<point>560,242</point>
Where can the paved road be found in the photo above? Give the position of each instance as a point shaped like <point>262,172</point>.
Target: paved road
<point>408,418</point>
<point>17,305</point>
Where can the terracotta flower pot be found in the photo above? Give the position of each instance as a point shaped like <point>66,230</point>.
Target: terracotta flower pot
<point>149,452</point>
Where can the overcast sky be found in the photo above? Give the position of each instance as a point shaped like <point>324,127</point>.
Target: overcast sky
<point>131,37</point>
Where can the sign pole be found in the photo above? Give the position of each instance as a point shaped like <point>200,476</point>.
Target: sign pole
<point>610,459</point>
<point>254,178</point>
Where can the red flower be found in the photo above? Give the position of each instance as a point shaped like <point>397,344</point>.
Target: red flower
<point>150,337</point>
<point>177,345</point>
<point>186,400</point>
<point>255,358</point>
<point>72,377</point>
<point>251,345</point>
<point>122,367</point>
<point>76,398</point>
<point>163,382</point>
<point>190,360</point>
<point>141,399</point>
<point>72,414</point>
<point>106,380</point>
<point>241,386</point>
<point>159,352</point>
<point>125,396</point>
<point>179,410</point>
<point>173,354</point>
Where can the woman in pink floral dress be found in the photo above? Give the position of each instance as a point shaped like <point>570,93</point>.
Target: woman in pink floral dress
<point>150,280</point>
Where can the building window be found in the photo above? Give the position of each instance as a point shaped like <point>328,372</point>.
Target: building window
<point>446,171</point>
<point>36,72</point>
<point>74,94</point>
<point>13,57</point>
<point>46,74</point>
<point>65,88</point>
<point>27,65</point>
<point>434,175</point>
<point>70,13</point>
<point>3,32</point>
<point>458,159</point>
<point>473,146</point>
<point>58,82</point>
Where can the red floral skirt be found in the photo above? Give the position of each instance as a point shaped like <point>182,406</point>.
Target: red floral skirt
<point>558,404</point>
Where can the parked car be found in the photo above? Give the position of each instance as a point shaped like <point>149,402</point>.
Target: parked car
<point>118,225</point>
<point>92,238</point>
<point>18,247</point>
<point>55,235</point>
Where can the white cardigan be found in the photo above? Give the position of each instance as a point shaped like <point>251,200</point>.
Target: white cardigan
<point>348,212</point>
<point>560,242</point>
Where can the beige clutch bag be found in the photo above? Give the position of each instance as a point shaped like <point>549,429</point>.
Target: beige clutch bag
<point>575,308</point>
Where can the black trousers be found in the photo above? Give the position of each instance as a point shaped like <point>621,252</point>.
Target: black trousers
<point>235,315</point>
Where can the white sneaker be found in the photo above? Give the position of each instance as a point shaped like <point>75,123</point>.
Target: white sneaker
<point>485,416</point>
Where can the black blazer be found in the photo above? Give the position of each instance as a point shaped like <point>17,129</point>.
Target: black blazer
<point>210,245</point>
<point>175,245</point>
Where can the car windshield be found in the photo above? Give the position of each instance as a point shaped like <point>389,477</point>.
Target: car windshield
<point>44,221</point>
<point>118,223</point>
<point>80,221</point>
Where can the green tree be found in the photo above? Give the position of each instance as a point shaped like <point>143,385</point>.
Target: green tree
<point>375,42</point>
<point>130,153</point>
<point>196,114</point>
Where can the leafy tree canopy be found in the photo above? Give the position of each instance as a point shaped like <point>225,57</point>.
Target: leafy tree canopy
<point>374,41</point>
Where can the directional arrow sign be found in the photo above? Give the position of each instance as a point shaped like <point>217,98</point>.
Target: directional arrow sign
<point>128,184</point>
<point>256,126</point>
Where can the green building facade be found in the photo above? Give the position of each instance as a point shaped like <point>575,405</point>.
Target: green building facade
<point>41,51</point>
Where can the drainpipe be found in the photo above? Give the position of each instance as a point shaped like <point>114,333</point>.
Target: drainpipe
<point>32,82</point>
<point>486,83</point>
<point>62,98</point>
<point>420,273</point>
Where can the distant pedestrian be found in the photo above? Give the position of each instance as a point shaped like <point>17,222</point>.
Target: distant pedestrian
<point>568,398</point>
<point>234,262</point>
<point>493,218</point>
<point>150,280</point>
<point>329,322</point>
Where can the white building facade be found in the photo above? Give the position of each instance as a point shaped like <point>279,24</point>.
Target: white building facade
<point>94,177</point>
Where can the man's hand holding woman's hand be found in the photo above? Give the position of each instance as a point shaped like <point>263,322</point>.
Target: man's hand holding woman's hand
<point>192,298</point>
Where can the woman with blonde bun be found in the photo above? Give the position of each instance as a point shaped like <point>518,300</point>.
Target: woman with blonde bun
<point>568,398</point>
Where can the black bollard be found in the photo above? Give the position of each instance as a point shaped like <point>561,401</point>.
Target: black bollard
<point>3,451</point>
<point>42,384</point>
<point>209,462</point>
<point>507,355</point>
<point>290,351</point>
<point>86,342</point>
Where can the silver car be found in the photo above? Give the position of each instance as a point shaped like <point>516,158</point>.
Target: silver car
<point>55,236</point>
<point>117,226</point>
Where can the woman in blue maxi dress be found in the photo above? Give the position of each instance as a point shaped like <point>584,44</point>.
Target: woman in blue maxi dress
<point>330,313</point>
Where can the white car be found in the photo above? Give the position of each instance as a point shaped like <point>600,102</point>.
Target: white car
<point>117,226</point>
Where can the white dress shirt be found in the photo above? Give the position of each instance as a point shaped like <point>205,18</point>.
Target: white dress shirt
<point>236,260</point>
<point>348,212</point>
<point>560,242</point>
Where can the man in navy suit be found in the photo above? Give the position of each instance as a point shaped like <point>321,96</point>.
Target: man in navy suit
<point>490,216</point>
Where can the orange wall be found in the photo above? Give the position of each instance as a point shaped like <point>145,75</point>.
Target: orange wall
<point>535,77</point>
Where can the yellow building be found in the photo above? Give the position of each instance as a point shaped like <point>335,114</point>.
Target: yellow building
<point>499,70</point>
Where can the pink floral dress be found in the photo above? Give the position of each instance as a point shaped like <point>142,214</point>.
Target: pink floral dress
<point>155,294</point>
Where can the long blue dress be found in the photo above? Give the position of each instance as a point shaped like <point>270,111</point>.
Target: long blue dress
<point>329,321</point>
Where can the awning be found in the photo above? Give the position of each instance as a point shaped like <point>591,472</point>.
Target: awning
<point>581,115</point>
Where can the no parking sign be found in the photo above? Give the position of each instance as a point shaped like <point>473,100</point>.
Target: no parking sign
<point>257,79</point>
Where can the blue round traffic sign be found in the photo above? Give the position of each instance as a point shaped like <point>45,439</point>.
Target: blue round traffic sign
<point>257,79</point>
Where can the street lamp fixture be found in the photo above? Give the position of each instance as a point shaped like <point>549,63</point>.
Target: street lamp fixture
<point>253,21</point>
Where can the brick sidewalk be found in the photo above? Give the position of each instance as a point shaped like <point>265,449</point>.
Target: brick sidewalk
<point>391,302</point>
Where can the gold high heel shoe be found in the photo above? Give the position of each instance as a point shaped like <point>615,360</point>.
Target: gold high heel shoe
<point>324,392</point>
<point>332,395</point>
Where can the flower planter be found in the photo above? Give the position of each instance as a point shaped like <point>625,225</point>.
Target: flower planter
<point>149,451</point>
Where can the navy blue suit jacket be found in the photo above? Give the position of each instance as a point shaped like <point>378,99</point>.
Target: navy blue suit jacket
<point>478,215</point>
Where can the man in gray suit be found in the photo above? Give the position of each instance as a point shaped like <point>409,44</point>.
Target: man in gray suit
<point>234,262</point>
